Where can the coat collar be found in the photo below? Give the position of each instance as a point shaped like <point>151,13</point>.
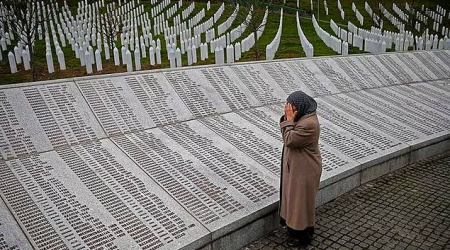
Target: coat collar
<point>306,116</point>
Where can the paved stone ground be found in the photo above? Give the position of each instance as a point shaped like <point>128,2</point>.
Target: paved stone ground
<point>407,209</point>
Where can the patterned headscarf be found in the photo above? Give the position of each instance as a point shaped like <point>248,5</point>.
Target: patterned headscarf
<point>303,102</point>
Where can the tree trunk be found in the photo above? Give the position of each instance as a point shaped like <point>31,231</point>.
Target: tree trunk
<point>257,54</point>
<point>33,74</point>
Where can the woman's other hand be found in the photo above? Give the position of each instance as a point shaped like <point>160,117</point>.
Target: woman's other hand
<point>290,112</point>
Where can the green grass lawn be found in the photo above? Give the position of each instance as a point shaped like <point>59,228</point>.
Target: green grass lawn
<point>290,46</point>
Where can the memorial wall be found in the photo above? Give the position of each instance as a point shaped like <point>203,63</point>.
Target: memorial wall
<point>176,159</point>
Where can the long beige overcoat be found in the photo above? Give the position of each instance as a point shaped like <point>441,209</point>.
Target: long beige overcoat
<point>301,170</point>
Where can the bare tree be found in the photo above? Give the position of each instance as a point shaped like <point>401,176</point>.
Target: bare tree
<point>21,18</point>
<point>378,8</point>
<point>413,9</point>
<point>110,24</point>
<point>256,9</point>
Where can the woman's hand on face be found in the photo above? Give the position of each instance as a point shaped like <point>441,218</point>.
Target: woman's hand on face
<point>290,112</point>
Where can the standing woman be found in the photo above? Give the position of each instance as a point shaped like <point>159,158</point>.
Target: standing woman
<point>301,168</point>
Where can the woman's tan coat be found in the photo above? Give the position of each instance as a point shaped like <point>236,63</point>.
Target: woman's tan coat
<point>301,170</point>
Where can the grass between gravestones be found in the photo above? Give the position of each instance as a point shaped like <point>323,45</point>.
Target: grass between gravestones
<point>290,46</point>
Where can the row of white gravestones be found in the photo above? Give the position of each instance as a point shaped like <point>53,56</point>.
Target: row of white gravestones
<point>175,59</point>
<point>357,41</point>
<point>425,44</point>
<point>209,35</point>
<point>377,19</point>
<point>222,41</point>
<point>178,24</point>
<point>262,26</point>
<point>204,26</point>
<point>334,27</point>
<point>441,10</point>
<point>306,45</point>
<point>232,54</point>
<point>374,46</point>
<point>325,5</point>
<point>240,29</point>
<point>186,12</point>
<point>378,34</point>
<point>393,20</point>
<point>248,42</point>
<point>218,42</point>
<point>330,41</point>
<point>400,13</point>
<point>359,16</point>
<point>401,44</point>
<point>221,28</point>
<point>341,10</point>
<point>219,55</point>
<point>219,12</point>
<point>372,41</point>
<point>59,51</point>
<point>445,31</point>
<point>159,8</point>
<point>436,26</point>
<point>417,26</point>
<point>272,47</point>
<point>419,16</point>
<point>98,43</point>
<point>196,19</point>
<point>171,11</point>
<point>437,17</point>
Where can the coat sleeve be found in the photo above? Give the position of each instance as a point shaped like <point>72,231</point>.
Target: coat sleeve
<point>295,136</point>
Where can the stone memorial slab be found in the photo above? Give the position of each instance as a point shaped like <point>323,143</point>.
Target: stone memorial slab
<point>337,76</point>
<point>443,55</point>
<point>435,121</point>
<point>266,119</point>
<point>135,102</point>
<point>397,68</point>
<point>93,196</point>
<point>248,138</point>
<point>259,83</point>
<point>210,90</point>
<point>11,235</point>
<point>416,66</point>
<point>374,117</point>
<point>346,143</point>
<point>423,127</point>
<point>194,154</point>
<point>282,75</point>
<point>434,64</point>
<point>425,95</point>
<point>442,87</point>
<point>375,139</point>
<point>43,117</point>
<point>213,180</point>
<point>312,77</point>
<point>335,165</point>
<point>360,75</point>
<point>379,71</point>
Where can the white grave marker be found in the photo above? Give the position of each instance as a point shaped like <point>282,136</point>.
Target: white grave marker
<point>98,60</point>
<point>87,57</point>
<point>12,62</point>
<point>50,66</point>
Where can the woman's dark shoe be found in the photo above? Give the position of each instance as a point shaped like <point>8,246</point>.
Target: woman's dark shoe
<point>293,242</point>
<point>296,242</point>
